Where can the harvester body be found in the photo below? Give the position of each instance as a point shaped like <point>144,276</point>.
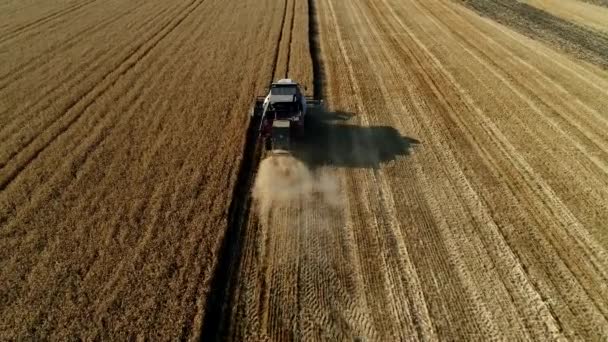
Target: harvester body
<point>282,114</point>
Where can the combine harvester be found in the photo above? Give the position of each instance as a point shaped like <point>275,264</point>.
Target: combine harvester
<point>282,113</point>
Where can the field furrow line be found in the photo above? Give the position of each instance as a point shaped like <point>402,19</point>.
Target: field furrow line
<point>53,27</point>
<point>406,274</point>
<point>41,21</point>
<point>350,269</point>
<point>560,34</point>
<point>417,302</point>
<point>527,167</point>
<point>388,261</point>
<point>581,71</point>
<point>361,109</point>
<point>381,293</point>
<point>30,66</point>
<point>276,65</point>
<point>505,249</point>
<point>352,257</point>
<point>218,318</point>
<point>79,143</point>
<point>567,169</point>
<point>75,78</point>
<point>117,280</point>
<point>300,61</point>
<point>596,116</point>
<point>33,138</point>
<point>36,10</point>
<point>362,311</point>
<point>321,281</point>
<point>227,265</point>
<point>429,223</point>
<point>173,202</point>
<point>110,79</point>
<point>283,45</point>
<point>504,140</point>
<point>568,276</point>
<point>442,96</point>
<point>12,11</point>
<point>198,294</point>
<point>550,82</point>
<point>487,243</point>
<point>355,88</point>
<point>541,294</point>
<point>133,97</point>
<point>293,15</point>
<point>379,68</point>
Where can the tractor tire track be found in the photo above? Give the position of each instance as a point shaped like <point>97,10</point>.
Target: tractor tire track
<point>483,232</point>
<point>278,65</point>
<point>110,79</point>
<point>75,77</point>
<point>52,27</point>
<point>224,283</point>
<point>142,181</point>
<point>29,66</point>
<point>565,258</point>
<point>468,162</point>
<point>98,119</point>
<point>15,12</point>
<point>41,21</point>
<point>108,122</point>
<point>287,62</point>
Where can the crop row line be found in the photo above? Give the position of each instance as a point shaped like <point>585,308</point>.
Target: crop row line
<point>89,97</point>
<point>223,283</point>
<point>55,93</point>
<point>41,21</point>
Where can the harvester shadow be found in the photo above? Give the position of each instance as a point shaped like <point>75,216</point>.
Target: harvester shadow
<point>331,139</point>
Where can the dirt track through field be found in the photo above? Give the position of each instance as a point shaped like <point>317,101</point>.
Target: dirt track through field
<point>470,167</point>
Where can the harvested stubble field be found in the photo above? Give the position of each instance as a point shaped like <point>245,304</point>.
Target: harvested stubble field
<point>454,187</point>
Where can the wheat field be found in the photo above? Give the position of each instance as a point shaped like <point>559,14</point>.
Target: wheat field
<point>454,185</point>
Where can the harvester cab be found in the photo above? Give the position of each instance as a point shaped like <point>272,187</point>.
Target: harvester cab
<point>282,113</point>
